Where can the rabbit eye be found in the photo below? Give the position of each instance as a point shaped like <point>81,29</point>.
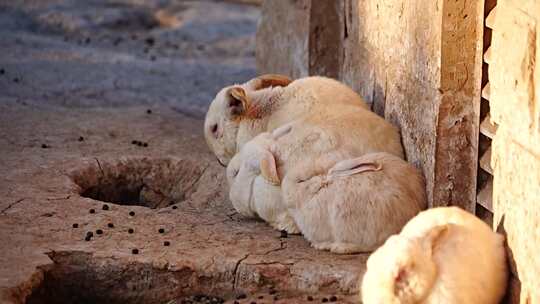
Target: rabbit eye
<point>214,128</point>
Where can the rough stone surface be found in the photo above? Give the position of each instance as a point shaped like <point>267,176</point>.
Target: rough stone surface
<point>78,89</point>
<point>282,44</point>
<point>514,74</point>
<point>417,63</point>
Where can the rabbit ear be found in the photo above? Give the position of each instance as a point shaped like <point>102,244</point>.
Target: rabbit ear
<point>283,130</point>
<point>434,236</point>
<point>269,80</point>
<point>269,169</point>
<point>353,166</point>
<point>238,102</point>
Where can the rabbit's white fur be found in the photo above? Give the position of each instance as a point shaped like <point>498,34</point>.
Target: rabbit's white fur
<point>240,112</point>
<point>356,204</point>
<point>253,195</point>
<point>443,255</point>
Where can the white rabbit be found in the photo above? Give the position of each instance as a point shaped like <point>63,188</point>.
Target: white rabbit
<point>356,204</point>
<point>443,255</point>
<point>253,195</point>
<point>240,112</point>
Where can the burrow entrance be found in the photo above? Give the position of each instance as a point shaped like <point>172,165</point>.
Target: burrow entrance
<point>148,182</point>
<point>79,277</point>
<point>82,278</point>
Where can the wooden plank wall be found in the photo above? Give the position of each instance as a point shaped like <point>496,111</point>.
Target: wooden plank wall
<point>418,63</point>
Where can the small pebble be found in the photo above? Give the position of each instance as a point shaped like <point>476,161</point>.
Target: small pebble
<point>241,296</point>
<point>87,238</point>
<point>99,231</point>
<point>44,146</point>
<point>175,207</point>
<point>87,40</point>
<point>135,251</point>
<point>161,230</point>
<point>110,225</point>
<point>261,297</point>
<point>81,138</point>
<point>2,71</point>
<point>89,234</point>
<point>333,298</point>
<point>310,298</point>
<point>272,291</point>
<point>75,225</point>
<point>105,207</point>
<point>92,211</point>
<point>145,145</point>
<point>130,230</point>
<point>166,243</point>
<point>276,298</point>
<point>134,142</point>
<point>132,213</point>
<point>284,234</point>
<point>148,111</point>
<point>324,300</point>
<point>16,79</point>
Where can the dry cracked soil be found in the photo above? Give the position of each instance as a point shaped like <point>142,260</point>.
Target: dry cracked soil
<point>108,193</point>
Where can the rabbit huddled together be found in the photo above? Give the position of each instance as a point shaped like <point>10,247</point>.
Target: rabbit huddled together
<point>290,145</point>
<point>309,157</point>
<point>338,202</point>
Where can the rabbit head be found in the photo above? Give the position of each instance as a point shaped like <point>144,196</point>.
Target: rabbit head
<point>230,106</point>
<point>402,270</point>
<point>252,173</point>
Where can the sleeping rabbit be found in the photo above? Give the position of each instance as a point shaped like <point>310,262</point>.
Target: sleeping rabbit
<point>348,205</point>
<point>253,195</point>
<point>240,112</point>
<point>443,255</point>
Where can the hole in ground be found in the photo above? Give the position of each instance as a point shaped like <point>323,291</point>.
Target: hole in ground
<point>79,277</point>
<point>148,182</point>
<point>82,278</point>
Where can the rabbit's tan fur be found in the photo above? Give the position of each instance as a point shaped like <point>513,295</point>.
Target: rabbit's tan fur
<point>240,112</point>
<point>443,255</point>
<point>356,204</point>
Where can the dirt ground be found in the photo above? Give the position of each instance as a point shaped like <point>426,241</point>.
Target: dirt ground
<point>108,193</point>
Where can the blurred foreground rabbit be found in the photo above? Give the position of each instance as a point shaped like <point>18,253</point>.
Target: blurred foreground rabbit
<point>443,255</point>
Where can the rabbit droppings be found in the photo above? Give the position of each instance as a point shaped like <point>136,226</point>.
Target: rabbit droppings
<point>443,255</point>
<point>240,112</point>
<point>356,204</point>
